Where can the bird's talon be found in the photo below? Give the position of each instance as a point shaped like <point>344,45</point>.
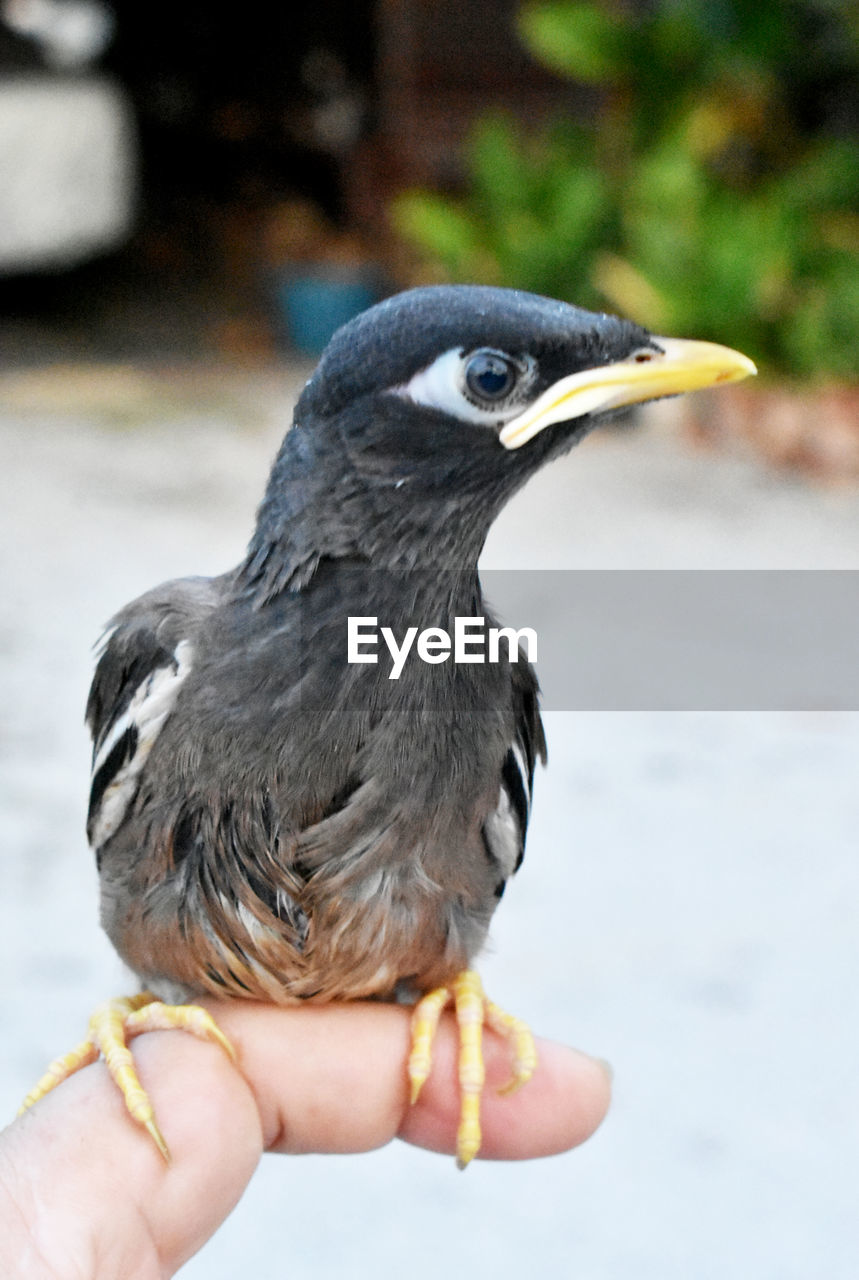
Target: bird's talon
<point>157,1016</point>
<point>472,1011</point>
<point>158,1138</point>
<point>425,1018</point>
<point>468,1135</point>
<point>59,1070</point>
<point>519,1035</point>
<point>111,1026</point>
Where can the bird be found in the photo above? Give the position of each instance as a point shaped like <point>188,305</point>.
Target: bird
<point>274,821</point>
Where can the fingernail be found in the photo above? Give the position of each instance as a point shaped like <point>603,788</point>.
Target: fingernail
<point>606,1068</point>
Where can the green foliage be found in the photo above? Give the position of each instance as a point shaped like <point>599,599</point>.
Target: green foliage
<point>597,54</point>
<point>699,200</point>
<point>534,216</point>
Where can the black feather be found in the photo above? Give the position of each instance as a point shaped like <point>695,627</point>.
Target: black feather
<point>120,753</point>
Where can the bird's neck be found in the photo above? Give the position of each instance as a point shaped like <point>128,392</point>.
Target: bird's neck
<point>399,598</point>
<point>321,506</point>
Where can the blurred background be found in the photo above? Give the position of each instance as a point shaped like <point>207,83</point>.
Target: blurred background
<point>191,198</point>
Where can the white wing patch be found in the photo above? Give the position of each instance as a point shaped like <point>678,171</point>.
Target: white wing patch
<point>152,703</point>
<point>504,829</point>
<point>503,834</point>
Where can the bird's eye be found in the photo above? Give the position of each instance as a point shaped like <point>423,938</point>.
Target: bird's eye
<point>481,384</point>
<point>490,376</point>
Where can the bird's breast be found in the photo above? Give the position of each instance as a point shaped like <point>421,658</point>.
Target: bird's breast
<point>321,823</point>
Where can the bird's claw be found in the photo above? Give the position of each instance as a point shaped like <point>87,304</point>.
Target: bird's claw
<point>473,1009</point>
<point>111,1027</point>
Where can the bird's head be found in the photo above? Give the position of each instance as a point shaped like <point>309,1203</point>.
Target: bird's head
<point>429,410</point>
<point>508,363</point>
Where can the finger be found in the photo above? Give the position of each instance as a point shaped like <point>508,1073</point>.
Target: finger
<point>332,1078</point>
<point>329,1078</point>
<point>90,1185</point>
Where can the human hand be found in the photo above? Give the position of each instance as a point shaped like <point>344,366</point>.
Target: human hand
<point>85,1195</point>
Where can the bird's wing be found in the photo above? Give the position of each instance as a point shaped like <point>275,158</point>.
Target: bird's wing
<point>505,829</point>
<point>146,654</point>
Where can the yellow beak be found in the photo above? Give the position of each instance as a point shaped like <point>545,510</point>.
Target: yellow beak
<point>678,366</point>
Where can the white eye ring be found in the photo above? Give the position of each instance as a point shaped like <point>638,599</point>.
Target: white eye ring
<point>441,385</point>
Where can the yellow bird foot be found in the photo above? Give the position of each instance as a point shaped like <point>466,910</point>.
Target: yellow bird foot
<point>473,1009</point>
<point>111,1026</point>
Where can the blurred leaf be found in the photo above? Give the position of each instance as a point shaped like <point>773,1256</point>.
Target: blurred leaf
<point>496,163</point>
<point>578,207</point>
<point>820,331</point>
<point>827,176</point>
<point>439,227</point>
<point>584,41</point>
<point>629,291</point>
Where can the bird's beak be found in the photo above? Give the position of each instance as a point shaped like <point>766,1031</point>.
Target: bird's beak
<point>676,365</point>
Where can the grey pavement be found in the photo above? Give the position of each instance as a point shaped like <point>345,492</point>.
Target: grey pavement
<point>687,907</point>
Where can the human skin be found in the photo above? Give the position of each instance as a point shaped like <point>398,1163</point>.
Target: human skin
<point>85,1195</point>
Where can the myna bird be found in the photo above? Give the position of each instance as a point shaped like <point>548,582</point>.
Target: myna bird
<point>276,822</point>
